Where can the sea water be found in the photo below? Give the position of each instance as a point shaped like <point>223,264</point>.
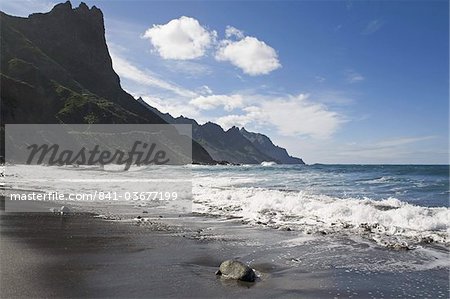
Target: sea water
<point>393,205</point>
<point>364,230</point>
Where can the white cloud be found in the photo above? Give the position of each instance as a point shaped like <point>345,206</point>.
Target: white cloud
<point>174,107</point>
<point>26,7</point>
<point>230,32</point>
<point>204,90</point>
<point>185,38</point>
<point>125,69</point>
<point>253,114</point>
<point>372,27</point>
<point>290,115</point>
<point>182,38</point>
<point>229,102</point>
<point>353,77</point>
<point>299,116</point>
<point>251,55</point>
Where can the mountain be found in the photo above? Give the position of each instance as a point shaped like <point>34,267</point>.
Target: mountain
<point>56,68</point>
<point>266,146</point>
<point>234,145</point>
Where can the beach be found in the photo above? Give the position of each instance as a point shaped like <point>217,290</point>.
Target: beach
<point>80,255</point>
<point>292,224</point>
<point>166,149</point>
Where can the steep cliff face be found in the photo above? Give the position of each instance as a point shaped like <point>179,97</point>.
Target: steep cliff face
<point>56,68</point>
<point>63,55</point>
<point>75,39</point>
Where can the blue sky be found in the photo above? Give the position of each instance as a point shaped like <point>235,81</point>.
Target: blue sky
<point>332,81</point>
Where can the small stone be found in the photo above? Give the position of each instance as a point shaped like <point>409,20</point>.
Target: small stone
<point>236,270</point>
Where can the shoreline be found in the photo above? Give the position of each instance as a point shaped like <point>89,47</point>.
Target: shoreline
<point>48,255</point>
<point>79,255</point>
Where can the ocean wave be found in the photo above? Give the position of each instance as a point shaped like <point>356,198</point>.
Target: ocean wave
<point>268,163</point>
<point>389,222</point>
<point>380,180</point>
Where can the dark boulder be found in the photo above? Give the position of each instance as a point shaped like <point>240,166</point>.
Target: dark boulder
<point>232,269</point>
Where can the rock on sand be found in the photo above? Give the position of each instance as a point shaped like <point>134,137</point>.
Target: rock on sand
<point>236,270</point>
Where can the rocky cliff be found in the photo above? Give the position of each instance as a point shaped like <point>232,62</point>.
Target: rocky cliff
<point>56,68</point>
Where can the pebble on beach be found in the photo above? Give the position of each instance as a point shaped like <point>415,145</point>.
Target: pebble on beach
<point>236,270</point>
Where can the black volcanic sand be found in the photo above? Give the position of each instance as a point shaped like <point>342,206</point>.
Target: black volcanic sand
<point>47,255</point>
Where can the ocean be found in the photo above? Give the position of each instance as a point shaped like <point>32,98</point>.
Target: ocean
<point>367,231</point>
<point>395,205</point>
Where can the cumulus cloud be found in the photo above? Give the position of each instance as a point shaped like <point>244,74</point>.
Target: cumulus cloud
<point>300,116</point>
<point>229,102</point>
<point>185,38</point>
<point>253,115</point>
<point>251,55</point>
<point>290,115</point>
<point>182,38</point>
<point>231,31</point>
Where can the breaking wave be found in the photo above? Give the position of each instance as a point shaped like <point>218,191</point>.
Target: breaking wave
<point>389,222</point>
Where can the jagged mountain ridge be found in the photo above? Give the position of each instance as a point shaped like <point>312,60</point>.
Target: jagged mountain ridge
<point>266,146</point>
<point>234,145</point>
<point>56,68</point>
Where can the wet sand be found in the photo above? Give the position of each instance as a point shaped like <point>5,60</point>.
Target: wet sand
<point>47,255</point>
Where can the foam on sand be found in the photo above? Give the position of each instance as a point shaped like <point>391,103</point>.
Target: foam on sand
<point>389,222</point>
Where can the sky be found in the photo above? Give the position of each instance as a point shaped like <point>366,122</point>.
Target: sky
<point>361,82</point>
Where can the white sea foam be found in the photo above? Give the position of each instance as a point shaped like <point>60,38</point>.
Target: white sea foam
<point>389,222</point>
